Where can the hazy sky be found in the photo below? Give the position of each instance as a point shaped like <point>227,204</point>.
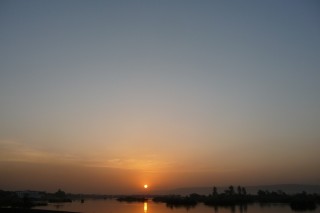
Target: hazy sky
<point>105,96</point>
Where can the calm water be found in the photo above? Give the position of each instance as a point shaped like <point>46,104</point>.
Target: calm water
<point>113,206</point>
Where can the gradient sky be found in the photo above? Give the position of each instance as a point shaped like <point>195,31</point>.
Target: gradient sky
<point>105,96</point>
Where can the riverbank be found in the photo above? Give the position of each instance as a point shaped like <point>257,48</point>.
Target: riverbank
<point>22,210</point>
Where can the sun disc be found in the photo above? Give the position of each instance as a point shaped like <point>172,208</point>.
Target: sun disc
<point>145,186</point>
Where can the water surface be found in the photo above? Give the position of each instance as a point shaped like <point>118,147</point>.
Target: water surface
<point>114,206</point>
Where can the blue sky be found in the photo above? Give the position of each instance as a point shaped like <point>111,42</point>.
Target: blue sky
<point>115,83</point>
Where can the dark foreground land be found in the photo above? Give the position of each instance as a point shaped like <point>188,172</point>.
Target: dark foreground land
<point>22,210</point>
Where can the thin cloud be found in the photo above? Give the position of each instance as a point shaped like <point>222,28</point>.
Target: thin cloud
<point>13,151</point>
<point>146,165</point>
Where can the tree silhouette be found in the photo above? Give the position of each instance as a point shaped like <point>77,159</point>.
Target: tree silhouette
<point>231,190</point>
<point>214,191</point>
<point>239,190</point>
<point>60,194</point>
<point>244,191</point>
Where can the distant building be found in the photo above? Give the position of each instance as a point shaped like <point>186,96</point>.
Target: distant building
<point>30,194</point>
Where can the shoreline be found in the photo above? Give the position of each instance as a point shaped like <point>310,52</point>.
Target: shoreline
<point>22,210</point>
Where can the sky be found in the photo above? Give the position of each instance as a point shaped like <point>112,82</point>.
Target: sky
<point>106,96</point>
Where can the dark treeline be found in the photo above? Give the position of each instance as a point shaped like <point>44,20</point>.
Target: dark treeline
<point>16,210</point>
<point>176,200</point>
<point>28,199</point>
<point>239,197</point>
<point>132,199</point>
<point>231,197</point>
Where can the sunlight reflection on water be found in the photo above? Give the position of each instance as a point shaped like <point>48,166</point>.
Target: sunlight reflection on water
<point>145,207</point>
<point>102,206</point>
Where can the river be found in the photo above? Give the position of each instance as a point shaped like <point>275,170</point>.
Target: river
<point>114,206</point>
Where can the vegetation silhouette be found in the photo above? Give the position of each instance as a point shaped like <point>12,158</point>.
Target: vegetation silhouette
<point>298,202</point>
<point>132,199</point>
<point>28,199</point>
<point>17,210</point>
<point>178,201</point>
<point>230,198</point>
<point>58,197</point>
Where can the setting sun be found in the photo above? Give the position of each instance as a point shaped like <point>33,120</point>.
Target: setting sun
<point>145,186</point>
